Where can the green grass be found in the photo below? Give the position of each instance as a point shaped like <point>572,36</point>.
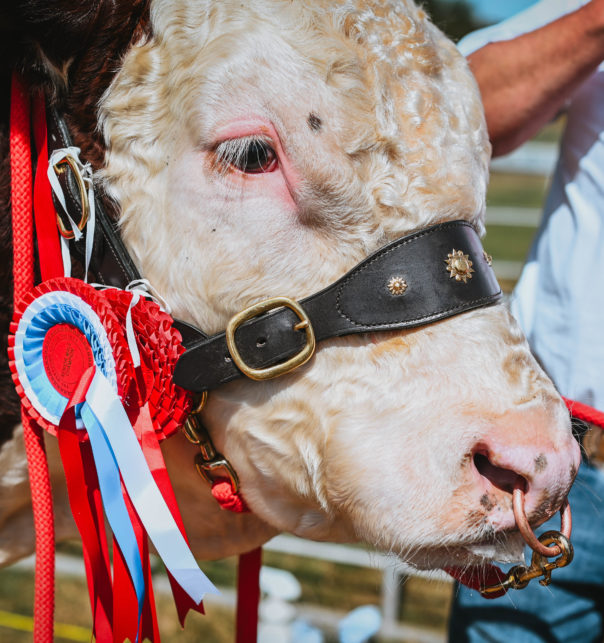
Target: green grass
<point>329,584</point>
<point>426,603</point>
<point>552,132</point>
<point>527,191</point>
<point>511,243</point>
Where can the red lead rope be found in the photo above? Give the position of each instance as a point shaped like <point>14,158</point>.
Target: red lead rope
<point>248,578</point>
<point>23,280</point>
<point>583,412</point>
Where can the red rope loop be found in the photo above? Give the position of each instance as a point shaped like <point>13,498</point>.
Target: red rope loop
<point>225,495</point>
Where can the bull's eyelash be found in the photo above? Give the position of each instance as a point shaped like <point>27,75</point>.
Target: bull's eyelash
<point>250,154</point>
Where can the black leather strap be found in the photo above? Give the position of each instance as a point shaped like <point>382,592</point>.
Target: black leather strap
<point>110,263</point>
<point>358,302</point>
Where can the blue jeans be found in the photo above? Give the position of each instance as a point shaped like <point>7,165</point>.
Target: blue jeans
<point>571,609</point>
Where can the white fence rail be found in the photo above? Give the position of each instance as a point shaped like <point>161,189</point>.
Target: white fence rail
<point>531,158</point>
<point>393,571</point>
<point>510,216</point>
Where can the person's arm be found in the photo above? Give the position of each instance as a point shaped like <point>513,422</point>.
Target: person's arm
<point>525,81</point>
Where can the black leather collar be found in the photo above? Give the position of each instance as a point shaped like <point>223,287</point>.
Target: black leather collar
<point>359,302</point>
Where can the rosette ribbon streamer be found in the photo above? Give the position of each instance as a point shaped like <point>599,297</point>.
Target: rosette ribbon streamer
<point>74,369</point>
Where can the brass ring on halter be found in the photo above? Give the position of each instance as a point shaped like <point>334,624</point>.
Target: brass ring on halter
<point>526,530</point>
<point>60,168</point>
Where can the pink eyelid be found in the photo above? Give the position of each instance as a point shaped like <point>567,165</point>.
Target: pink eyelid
<point>247,128</point>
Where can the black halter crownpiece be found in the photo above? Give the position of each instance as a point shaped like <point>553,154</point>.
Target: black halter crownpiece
<point>361,301</point>
<point>410,282</point>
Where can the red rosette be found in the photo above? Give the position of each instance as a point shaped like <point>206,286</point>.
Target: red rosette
<point>160,345</point>
<point>63,333</point>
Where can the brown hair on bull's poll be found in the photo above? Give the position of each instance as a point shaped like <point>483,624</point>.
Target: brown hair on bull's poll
<point>70,50</point>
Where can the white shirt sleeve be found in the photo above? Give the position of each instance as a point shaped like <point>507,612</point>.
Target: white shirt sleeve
<point>530,19</point>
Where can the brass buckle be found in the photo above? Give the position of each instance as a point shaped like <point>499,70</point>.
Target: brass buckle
<point>60,168</point>
<point>278,369</point>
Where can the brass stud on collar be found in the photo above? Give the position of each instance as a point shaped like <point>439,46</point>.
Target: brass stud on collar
<point>459,266</point>
<point>397,286</point>
<point>487,258</point>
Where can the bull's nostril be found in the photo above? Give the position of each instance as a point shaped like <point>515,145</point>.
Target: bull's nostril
<point>503,479</point>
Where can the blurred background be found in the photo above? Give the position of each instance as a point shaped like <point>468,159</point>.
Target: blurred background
<point>318,592</point>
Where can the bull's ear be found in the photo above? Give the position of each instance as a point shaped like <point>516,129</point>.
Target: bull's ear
<point>71,49</point>
<point>47,40</point>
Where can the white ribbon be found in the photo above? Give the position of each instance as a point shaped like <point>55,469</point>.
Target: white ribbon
<point>144,288</point>
<point>139,288</point>
<point>84,172</point>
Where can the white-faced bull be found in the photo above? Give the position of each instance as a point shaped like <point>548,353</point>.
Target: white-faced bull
<point>250,151</point>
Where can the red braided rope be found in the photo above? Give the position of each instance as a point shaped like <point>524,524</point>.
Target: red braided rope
<point>585,412</point>
<point>227,498</point>
<point>23,280</point>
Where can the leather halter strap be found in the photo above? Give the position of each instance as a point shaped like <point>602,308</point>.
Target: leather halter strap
<point>110,263</point>
<point>359,302</point>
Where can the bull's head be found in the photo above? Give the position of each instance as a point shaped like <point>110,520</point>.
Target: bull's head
<point>262,149</point>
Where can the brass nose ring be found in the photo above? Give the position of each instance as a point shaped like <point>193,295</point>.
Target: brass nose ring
<point>526,530</point>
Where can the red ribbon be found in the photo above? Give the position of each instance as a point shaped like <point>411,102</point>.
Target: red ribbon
<point>153,455</point>
<point>125,607</point>
<point>47,234</point>
<point>87,510</point>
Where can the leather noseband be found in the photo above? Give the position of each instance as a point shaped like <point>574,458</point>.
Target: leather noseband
<point>359,302</point>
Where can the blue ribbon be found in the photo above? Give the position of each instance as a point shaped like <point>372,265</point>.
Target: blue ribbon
<point>108,475</point>
<point>142,489</point>
<point>51,401</point>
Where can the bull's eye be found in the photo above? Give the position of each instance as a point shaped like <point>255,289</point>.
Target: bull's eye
<point>258,157</point>
<point>250,155</point>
